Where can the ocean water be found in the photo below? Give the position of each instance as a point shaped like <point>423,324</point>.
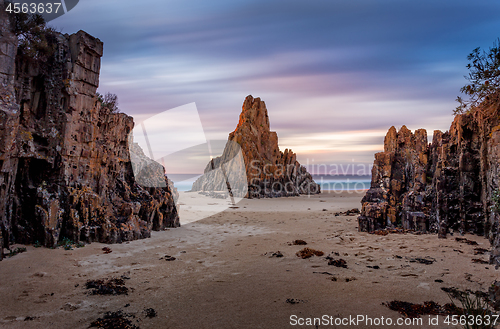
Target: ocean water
<point>183,182</point>
<point>334,183</point>
<point>339,183</point>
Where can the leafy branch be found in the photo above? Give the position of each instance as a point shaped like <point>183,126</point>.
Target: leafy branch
<point>109,101</point>
<point>484,78</point>
<point>37,41</point>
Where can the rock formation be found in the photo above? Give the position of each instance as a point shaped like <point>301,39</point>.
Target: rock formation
<point>449,184</point>
<point>269,172</point>
<point>64,158</point>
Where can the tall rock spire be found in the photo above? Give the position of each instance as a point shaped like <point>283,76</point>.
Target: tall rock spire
<point>269,171</point>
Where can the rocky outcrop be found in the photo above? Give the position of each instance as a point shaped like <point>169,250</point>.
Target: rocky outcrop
<point>269,171</point>
<point>64,158</point>
<point>401,168</point>
<point>446,185</point>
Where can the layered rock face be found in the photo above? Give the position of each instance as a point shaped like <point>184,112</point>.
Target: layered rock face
<point>269,171</point>
<point>64,158</point>
<point>446,185</point>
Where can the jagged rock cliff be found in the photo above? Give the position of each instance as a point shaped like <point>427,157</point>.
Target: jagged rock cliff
<point>446,185</point>
<point>269,172</point>
<point>64,158</point>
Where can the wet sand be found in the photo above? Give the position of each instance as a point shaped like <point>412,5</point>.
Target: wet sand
<point>224,275</point>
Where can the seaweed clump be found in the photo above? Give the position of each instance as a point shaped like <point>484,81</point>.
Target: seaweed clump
<point>308,252</point>
<point>338,262</point>
<point>114,320</point>
<point>113,286</point>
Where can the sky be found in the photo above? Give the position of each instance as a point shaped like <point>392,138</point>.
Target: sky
<point>335,75</point>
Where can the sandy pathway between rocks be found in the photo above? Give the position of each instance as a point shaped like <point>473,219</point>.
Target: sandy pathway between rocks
<point>223,278</point>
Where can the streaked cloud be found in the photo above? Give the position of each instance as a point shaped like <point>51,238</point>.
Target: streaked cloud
<point>331,72</point>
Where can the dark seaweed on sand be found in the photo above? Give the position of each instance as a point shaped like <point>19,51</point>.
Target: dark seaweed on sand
<point>337,262</point>
<point>479,261</point>
<point>113,286</point>
<point>294,301</point>
<point>277,254</point>
<point>150,312</point>
<point>308,252</point>
<point>464,240</point>
<point>114,320</point>
<point>426,261</point>
<point>480,251</point>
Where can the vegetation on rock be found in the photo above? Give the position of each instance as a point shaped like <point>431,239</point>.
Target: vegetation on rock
<point>484,78</point>
<point>37,41</point>
<point>109,101</point>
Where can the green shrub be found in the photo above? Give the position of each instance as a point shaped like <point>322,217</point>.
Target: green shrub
<point>473,306</point>
<point>66,243</point>
<point>484,78</point>
<point>109,101</point>
<point>36,40</point>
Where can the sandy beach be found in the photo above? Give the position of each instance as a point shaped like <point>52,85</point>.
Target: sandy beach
<point>225,275</point>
